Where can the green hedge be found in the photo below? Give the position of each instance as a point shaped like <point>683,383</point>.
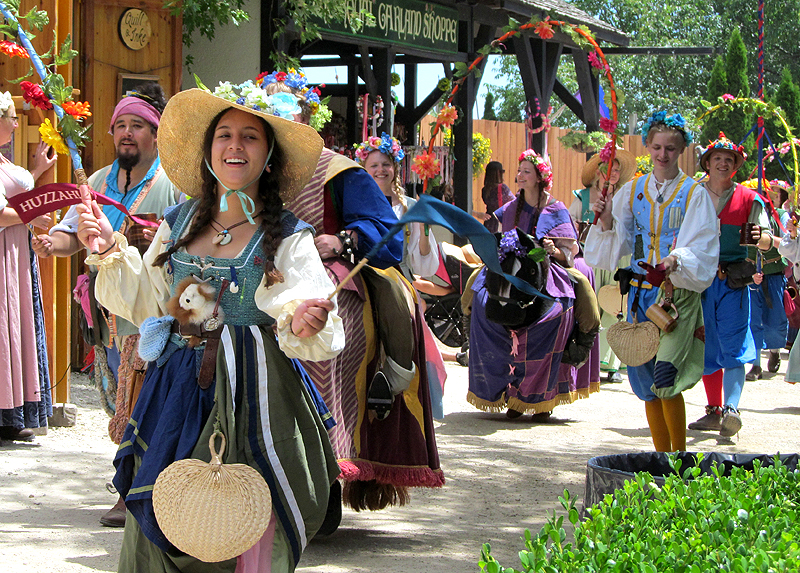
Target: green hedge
<point>696,523</point>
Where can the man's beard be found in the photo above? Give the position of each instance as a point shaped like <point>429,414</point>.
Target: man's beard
<point>129,161</point>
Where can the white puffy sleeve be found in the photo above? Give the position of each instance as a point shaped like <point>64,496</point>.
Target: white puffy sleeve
<point>304,278</point>
<point>604,249</point>
<point>790,248</point>
<point>128,284</point>
<point>422,265</point>
<point>697,245</point>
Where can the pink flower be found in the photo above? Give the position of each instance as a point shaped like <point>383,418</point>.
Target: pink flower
<point>727,97</point>
<point>608,125</point>
<point>594,60</point>
<point>605,153</point>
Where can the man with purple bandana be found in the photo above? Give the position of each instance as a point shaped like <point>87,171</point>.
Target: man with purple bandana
<point>136,180</point>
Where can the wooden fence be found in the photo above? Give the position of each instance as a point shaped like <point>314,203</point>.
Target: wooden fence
<point>508,141</point>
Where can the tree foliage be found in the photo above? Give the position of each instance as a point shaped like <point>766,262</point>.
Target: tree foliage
<point>488,107</point>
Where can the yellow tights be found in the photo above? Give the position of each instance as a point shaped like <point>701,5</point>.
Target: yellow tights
<point>667,421</point>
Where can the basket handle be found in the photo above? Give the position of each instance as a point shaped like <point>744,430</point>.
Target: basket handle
<point>216,457</point>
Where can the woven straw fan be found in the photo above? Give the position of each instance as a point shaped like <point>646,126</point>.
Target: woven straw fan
<point>210,510</point>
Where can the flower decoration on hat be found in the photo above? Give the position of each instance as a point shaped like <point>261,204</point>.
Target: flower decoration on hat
<point>386,144</point>
<point>250,95</point>
<point>298,83</point>
<point>675,121</point>
<point>542,165</point>
<point>723,143</point>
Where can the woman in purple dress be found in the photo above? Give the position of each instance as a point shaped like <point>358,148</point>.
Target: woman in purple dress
<point>520,370</point>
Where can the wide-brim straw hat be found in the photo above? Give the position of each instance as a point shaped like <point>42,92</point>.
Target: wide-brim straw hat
<point>182,132</point>
<point>611,300</point>
<point>722,143</point>
<point>627,167</point>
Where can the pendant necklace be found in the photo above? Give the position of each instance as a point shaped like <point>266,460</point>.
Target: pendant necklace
<point>223,236</point>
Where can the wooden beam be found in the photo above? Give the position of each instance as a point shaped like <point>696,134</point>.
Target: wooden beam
<point>588,87</point>
<point>568,99</point>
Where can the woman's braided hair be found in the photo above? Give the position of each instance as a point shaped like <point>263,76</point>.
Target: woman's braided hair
<point>268,193</point>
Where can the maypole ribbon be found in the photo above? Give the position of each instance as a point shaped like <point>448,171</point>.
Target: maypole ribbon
<point>80,174</point>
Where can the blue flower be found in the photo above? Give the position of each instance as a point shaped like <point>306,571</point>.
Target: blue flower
<point>240,100</point>
<point>284,105</point>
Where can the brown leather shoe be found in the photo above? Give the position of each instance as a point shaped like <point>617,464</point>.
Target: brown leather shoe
<point>16,434</point>
<point>115,517</point>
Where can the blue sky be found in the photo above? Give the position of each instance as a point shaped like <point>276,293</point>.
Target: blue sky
<point>428,75</point>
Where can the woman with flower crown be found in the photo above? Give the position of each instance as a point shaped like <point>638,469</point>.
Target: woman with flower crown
<point>350,214</point>
<point>238,163</point>
<point>520,370</point>
<point>25,380</point>
<point>664,220</point>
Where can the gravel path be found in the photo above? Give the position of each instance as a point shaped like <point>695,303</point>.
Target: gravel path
<point>502,476</point>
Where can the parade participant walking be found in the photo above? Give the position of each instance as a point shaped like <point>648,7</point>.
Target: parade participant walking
<point>350,215</point>
<point>662,219</point>
<point>519,369</point>
<point>768,321</point>
<point>239,164</point>
<point>136,180</point>
<point>25,379</point>
<point>726,303</point>
<point>593,177</point>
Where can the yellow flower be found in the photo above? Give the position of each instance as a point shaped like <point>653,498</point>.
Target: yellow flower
<point>52,138</point>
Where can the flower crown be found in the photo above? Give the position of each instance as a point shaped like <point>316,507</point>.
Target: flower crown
<point>250,95</point>
<point>541,164</point>
<point>5,101</point>
<point>675,121</point>
<point>782,184</point>
<point>725,144</point>
<point>386,144</point>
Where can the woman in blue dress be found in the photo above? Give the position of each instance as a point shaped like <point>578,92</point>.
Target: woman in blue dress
<point>238,164</point>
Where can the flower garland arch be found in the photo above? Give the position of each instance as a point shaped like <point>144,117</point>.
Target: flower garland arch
<point>426,165</point>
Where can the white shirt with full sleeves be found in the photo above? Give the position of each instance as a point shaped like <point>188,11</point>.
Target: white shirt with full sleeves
<point>130,286</point>
<point>696,246</point>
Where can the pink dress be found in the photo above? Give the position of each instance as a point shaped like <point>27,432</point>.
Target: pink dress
<point>19,376</point>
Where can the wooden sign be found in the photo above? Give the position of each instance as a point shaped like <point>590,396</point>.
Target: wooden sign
<point>134,28</point>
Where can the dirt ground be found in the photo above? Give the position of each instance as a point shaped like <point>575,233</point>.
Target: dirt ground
<point>502,476</point>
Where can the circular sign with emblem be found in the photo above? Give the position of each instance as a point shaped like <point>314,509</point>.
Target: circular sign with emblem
<point>134,28</point>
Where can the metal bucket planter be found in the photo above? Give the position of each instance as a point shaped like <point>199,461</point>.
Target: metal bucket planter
<point>605,474</point>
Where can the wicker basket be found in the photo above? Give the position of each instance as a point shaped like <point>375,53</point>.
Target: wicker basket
<point>212,511</point>
<point>634,344</point>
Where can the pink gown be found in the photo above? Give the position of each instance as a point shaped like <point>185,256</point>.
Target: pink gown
<point>19,376</point>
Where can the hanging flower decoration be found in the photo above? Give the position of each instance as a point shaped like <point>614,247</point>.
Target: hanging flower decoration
<point>426,165</point>
<point>53,92</point>
<point>395,79</point>
<point>12,50</point>
<point>529,117</point>
<point>77,109</point>
<point>34,95</point>
<point>608,125</point>
<point>748,107</point>
<point>595,62</point>
<point>52,138</point>
<point>377,110</point>
<point>447,116</point>
<point>545,29</point>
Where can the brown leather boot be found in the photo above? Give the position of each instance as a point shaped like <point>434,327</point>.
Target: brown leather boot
<point>115,517</point>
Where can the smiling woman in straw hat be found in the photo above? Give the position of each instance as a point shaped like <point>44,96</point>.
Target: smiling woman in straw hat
<point>593,177</point>
<point>239,156</point>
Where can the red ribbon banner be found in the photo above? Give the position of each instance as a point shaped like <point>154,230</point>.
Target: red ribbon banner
<point>54,196</point>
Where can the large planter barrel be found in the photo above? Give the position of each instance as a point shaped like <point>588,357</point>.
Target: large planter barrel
<point>605,474</point>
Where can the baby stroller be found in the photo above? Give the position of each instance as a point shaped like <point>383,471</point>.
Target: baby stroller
<point>442,294</point>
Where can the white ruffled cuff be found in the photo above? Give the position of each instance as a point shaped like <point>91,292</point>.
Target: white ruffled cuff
<point>112,258</point>
<point>324,345</point>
